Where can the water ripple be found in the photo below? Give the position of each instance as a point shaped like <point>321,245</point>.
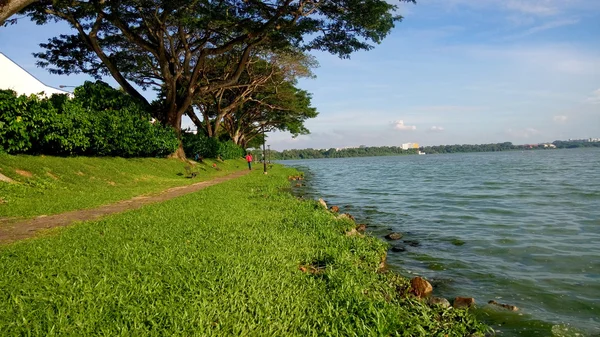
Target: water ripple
<point>529,224</point>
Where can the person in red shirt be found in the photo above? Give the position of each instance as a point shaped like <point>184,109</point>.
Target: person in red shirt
<point>249,160</point>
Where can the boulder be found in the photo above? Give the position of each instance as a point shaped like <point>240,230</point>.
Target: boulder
<point>346,216</point>
<point>420,287</point>
<point>394,236</point>
<point>412,243</point>
<point>323,203</point>
<point>439,301</point>
<point>361,227</point>
<point>334,209</point>
<point>353,232</point>
<point>398,248</point>
<point>463,302</point>
<point>505,306</point>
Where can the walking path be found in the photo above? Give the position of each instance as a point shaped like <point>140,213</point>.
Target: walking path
<point>25,229</point>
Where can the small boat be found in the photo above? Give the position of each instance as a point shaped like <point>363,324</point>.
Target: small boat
<point>421,152</point>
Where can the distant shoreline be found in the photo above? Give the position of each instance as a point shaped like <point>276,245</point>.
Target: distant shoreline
<point>386,151</point>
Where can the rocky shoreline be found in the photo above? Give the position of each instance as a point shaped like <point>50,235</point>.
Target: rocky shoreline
<point>419,287</point>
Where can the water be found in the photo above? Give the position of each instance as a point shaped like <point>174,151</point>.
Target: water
<point>520,228</point>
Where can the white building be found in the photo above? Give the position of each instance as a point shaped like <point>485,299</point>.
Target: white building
<point>407,146</point>
<point>13,77</point>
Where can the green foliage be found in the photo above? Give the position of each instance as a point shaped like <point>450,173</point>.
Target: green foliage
<point>99,121</point>
<point>374,151</point>
<point>61,184</point>
<point>577,143</point>
<point>341,153</point>
<point>65,133</point>
<point>20,119</point>
<point>199,144</point>
<point>224,261</point>
<point>218,39</point>
<point>209,147</point>
<point>230,150</point>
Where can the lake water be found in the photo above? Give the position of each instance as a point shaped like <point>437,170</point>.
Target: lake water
<point>520,228</point>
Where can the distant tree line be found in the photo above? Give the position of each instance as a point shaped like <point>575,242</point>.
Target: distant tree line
<point>573,144</point>
<point>397,151</point>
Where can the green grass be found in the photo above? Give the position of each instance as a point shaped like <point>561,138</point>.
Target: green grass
<point>223,261</point>
<point>64,184</point>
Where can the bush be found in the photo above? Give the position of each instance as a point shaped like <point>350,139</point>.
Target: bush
<point>20,119</point>
<point>208,147</point>
<point>230,150</point>
<point>98,121</point>
<point>199,144</point>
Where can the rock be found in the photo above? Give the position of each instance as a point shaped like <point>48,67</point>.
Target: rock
<point>334,209</point>
<point>394,236</point>
<point>420,287</point>
<point>323,203</point>
<point>361,227</point>
<point>439,301</point>
<point>298,185</point>
<point>24,173</point>
<point>398,249</point>
<point>463,302</point>
<point>5,178</point>
<point>505,306</point>
<point>412,243</point>
<point>353,232</point>
<point>346,216</point>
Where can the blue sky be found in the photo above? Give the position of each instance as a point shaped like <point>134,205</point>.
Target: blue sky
<point>453,72</point>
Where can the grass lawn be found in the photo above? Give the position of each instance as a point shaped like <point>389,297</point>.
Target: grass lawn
<point>224,261</point>
<point>51,185</point>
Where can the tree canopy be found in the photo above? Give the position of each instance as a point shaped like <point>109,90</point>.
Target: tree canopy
<point>10,7</point>
<point>174,45</point>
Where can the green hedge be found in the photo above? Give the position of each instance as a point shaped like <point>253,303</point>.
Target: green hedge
<point>98,121</point>
<point>207,147</point>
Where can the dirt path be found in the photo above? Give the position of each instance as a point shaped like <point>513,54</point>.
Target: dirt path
<point>25,229</point>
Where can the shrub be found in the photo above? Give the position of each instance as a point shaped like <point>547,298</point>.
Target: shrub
<point>99,121</point>
<point>230,150</point>
<point>208,147</point>
<point>199,144</point>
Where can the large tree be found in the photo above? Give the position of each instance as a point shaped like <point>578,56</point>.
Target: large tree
<point>170,43</point>
<point>264,71</point>
<point>10,7</point>
<point>280,106</point>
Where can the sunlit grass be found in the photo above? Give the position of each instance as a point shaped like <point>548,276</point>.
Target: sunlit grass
<point>63,184</point>
<point>223,261</point>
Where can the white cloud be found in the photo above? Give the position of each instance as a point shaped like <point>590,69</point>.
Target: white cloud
<point>436,129</point>
<point>543,27</point>
<point>399,125</point>
<point>555,58</point>
<point>560,119</point>
<point>523,133</point>
<point>595,98</point>
<point>539,8</point>
<point>535,7</point>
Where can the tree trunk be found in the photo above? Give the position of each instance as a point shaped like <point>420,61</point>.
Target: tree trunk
<point>174,121</point>
<point>10,7</point>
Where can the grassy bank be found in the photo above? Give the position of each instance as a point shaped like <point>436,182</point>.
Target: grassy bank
<point>241,258</point>
<point>51,185</point>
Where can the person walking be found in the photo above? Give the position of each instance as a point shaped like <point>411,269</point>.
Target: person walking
<point>249,160</point>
